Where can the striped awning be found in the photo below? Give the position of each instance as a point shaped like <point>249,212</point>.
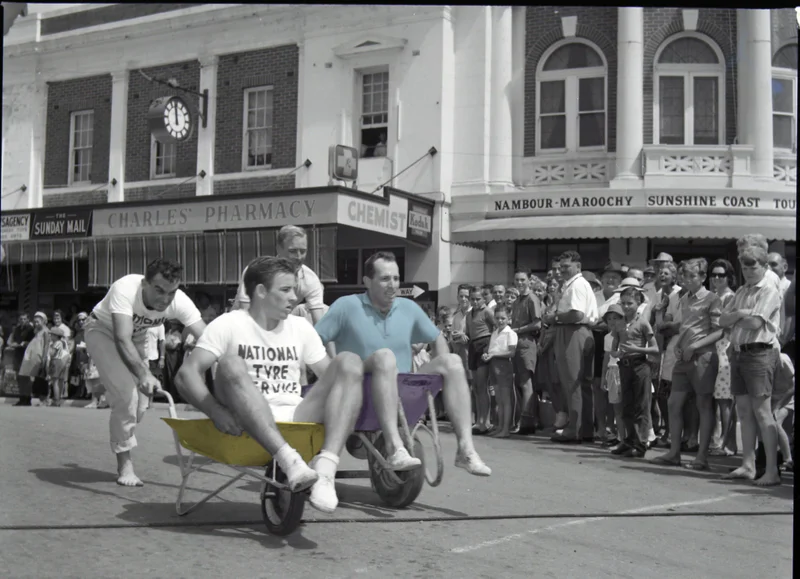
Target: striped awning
<point>45,251</point>
<point>216,258</point>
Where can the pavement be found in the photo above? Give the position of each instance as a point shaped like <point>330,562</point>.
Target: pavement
<point>547,511</point>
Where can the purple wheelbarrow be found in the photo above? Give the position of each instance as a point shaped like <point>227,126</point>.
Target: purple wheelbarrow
<point>398,489</point>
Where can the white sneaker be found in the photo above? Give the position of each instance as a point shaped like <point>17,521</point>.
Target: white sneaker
<point>402,461</point>
<point>473,464</point>
<point>323,494</point>
<point>651,435</point>
<point>299,476</point>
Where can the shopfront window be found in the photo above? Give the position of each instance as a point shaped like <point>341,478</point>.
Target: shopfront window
<point>537,256</point>
<point>350,263</point>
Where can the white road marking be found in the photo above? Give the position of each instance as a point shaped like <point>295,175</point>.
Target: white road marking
<point>515,536</point>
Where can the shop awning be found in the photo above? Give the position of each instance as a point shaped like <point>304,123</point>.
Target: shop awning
<point>45,251</point>
<point>692,226</point>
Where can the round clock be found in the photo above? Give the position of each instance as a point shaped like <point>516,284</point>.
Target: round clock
<point>170,119</point>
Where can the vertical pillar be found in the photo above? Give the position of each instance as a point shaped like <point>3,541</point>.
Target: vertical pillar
<point>630,94</point>
<point>743,115</point>
<point>760,49</point>
<point>518,14</point>
<point>501,143</point>
<point>38,112</point>
<point>205,136</point>
<point>301,178</point>
<point>118,136</point>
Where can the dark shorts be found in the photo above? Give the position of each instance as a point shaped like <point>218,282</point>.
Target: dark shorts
<point>525,359</point>
<point>502,371</point>
<point>599,353</point>
<point>477,348</point>
<point>698,376</point>
<point>753,373</point>
<point>663,389</point>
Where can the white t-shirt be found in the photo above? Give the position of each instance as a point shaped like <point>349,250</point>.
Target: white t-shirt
<point>309,289</point>
<point>274,359</point>
<point>125,297</point>
<point>578,295</point>
<point>154,335</point>
<point>501,341</point>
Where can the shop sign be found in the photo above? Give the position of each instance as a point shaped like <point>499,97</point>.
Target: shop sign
<point>62,223</point>
<point>217,214</point>
<point>412,290</point>
<point>420,222</point>
<point>373,216</point>
<point>668,201</point>
<point>15,227</point>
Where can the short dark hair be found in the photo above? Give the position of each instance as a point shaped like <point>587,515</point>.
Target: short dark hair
<point>464,286</point>
<point>60,314</point>
<point>487,286</point>
<point>730,273</point>
<point>519,271</point>
<point>369,265</point>
<point>570,255</point>
<point>632,292</point>
<point>499,309</point>
<point>169,269</point>
<point>262,270</point>
<point>475,288</point>
<point>698,263</point>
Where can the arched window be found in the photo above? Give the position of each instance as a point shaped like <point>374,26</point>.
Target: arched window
<point>571,99</point>
<point>784,98</point>
<point>689,91</point>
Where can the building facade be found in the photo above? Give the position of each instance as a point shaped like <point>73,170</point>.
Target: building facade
<point>506,135</point>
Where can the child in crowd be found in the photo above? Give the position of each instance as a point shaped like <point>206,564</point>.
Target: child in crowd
<point>609,382</point>
<point>782,405</point>
<point>633,342</point>
<point>58,359</point>
<point>502,346</point>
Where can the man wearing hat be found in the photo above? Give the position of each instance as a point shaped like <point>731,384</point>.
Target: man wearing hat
<point>649,276</point>
<point>31,372</point>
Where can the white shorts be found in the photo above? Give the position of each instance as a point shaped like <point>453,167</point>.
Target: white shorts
<point>283,413</point>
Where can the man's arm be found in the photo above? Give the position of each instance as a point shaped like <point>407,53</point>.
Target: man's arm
<point>440,347</point>
<point>191,382</point>
<point>197,329</point>
<point>123,339</point>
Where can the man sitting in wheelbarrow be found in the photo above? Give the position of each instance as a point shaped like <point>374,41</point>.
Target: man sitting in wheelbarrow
<point>380,328</point>
<point>259,353</point>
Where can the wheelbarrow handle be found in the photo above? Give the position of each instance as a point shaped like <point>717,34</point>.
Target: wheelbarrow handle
<point>172,412</point>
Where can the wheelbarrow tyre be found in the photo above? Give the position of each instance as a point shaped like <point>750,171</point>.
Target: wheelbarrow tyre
<point>283,512</point>
<point>394,495</point>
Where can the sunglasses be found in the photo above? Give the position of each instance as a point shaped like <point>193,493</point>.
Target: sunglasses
<point>718,276</point>
<point>748,262</point>
<point>774,264</point>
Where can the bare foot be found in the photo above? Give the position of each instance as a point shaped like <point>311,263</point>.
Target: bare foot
<point>499,434</point>
<point>127,477</point>
<point>743,472</point>
<point>768,480</point>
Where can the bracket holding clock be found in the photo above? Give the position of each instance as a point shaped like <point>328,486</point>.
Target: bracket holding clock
<point>171,118</point>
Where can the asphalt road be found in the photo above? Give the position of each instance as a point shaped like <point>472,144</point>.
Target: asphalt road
<point>547,511</point>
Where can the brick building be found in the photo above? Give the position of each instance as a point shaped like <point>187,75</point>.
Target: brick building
<point>514,132</point>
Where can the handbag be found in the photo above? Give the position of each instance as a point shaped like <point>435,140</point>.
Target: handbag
<point>90,371</point>
<point>613,385</point>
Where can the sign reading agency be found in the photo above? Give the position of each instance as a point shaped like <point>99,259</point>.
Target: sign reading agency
<point>62,223</point>
<point>15,227</point>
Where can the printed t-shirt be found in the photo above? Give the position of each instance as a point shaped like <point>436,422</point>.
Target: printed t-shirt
<point>356,326</point>
<point>125,297</point>
<point>273,358</point>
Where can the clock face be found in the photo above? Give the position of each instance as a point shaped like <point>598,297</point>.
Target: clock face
<point>178,119</point>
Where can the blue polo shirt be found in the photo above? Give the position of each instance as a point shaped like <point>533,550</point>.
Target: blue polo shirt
<point>354,325</point>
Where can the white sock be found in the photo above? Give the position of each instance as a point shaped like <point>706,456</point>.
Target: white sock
<point>326,463</point>
<point>286,456</point>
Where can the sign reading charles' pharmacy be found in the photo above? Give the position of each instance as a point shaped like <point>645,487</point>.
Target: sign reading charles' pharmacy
<point>15,227</point>
<point>62,223</point>
<point>770,202</point>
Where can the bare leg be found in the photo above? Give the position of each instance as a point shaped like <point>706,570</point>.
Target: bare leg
<point>762,409</point>
<point>676,403</point>
<point>383,367</point>
<point>729,420</point>
<point>747,470</point>
<point>457,404</point>
<point>127,477</point>
<point>783,438</point>
<point>705,410</point>
<point>600,407</point>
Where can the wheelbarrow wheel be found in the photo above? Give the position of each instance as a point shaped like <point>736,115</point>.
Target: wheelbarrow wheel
<point>282,510</point>
<point>394,495</point>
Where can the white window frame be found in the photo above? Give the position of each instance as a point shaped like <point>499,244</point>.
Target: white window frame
<point>153,159</point>
<point>571,78</point>
<point>788,74</point>
<point>689,72</point>
<point>360,107</point>
<point>245,129</point>
<point>71,169</point>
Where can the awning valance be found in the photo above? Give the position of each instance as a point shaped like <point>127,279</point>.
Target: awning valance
<point>692,226</point>
<point>45,251</point>
<point>208,258</point>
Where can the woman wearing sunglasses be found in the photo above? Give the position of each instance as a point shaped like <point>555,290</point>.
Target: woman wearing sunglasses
<point>721,281</point>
